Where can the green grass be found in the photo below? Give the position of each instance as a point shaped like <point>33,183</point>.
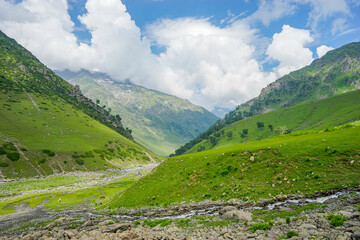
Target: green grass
<point>64,192</point>
<point>318,114</point>
<point>336,220</point>
<point>300,164</point>
<point>51,121</point>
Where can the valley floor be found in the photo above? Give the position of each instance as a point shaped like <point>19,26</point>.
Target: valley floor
<point>327,215</point>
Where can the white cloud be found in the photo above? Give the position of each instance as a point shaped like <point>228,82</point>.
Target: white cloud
<point>322,50</point>
<point>339,25</point>
<point>216,65</point>
<point>324,9</point>
<point>272,10</point>
<point>209,65</point>
<point>288,48</point>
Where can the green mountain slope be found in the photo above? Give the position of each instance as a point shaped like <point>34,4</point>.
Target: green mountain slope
<point>287,164</point>
<point>48,126</point>
<point>159,121</point>
<point>331,111</point>
<point>338,71</point>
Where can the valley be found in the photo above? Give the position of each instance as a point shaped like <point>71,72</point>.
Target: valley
<point>284,165</point>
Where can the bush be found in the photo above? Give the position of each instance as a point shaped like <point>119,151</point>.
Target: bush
<point>146,158</point>
<point>65,162</point>
<point>42,160</point>
<point>260,226</point>
<point>288,220</point>
<point>2,151</point>
<point>9,146</point>
<point>51,154</point>
<point>23,149</point>
<point>13,156</point>
<point>79,161</point>
<point>336,220</point>
<point>46,151</point>
<point>4,164</point>
<point>291,234</point>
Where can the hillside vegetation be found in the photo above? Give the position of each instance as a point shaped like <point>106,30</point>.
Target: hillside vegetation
<point>158,121</point>
<point>48,126</point>
<point>338,71</point>
<point>298,163</point>
<point>327,112</point>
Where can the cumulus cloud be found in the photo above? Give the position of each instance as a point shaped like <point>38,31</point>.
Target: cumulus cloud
<point>216,65</point>
<point>288,47</point>
<point>322,50</point>
<point>209,65</point>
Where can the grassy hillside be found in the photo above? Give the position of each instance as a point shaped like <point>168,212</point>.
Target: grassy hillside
<point>338,71</point>
<point>159,121</point>
<point>288,164</point>
<point>48,126</point>
<point>318,114</point>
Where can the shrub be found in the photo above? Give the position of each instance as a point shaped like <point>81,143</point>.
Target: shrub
<point>42,160</point>
<point>146,158</point>
<point>336,220</point>
<point>154,223</point>
<point>288,220</point>
<point>2,151</point>
<point>65,162</point>
<point>46,151</point>
<point>75,156</point>
<point>4,164</point>
<point>51,154</point>
<point>79,161</point>
<point>260,226</point>
<point>291,234</point>
<point>13,156</point>
<point>97,151</point>
<point>9,146</point>
<point>23,149</point>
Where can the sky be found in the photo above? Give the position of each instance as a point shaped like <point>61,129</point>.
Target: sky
<point>215,53</point>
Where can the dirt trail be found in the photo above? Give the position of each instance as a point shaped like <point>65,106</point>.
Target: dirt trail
<point>32,100</point>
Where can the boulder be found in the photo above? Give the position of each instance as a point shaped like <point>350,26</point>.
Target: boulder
<point>238,215</point>
<point>113,228</point>
<point>355,236</point>
<point>227,209</point>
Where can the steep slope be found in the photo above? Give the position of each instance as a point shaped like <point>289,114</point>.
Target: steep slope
<point>332,111</point>
<point>48,126</point>
<point>302,164</point>
<point>159,121</point>
<point>336,72</point>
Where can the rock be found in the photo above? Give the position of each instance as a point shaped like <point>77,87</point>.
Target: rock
<point>355,236</point>
<point>106,222</point>
<point>69,234</point>
<point>238,215</point>
<point>227,209</point>
<point>113,228</point>
<point>345,214</point>
<point>308,226</point>
<point>252,158</point>
<point>128,236</point>
<point>87,224</point>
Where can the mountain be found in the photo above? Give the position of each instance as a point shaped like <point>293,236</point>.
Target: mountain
<point>159,121</point>
<point>327,112</point>
<point>47,125</point>
<point>338,71</point>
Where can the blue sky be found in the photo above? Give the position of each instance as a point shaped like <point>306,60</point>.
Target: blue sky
<point>216,53</point>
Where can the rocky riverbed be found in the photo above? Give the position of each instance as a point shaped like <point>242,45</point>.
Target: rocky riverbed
<point>286,218</point>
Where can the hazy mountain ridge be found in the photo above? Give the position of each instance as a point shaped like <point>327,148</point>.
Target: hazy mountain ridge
<point>159,121</point>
